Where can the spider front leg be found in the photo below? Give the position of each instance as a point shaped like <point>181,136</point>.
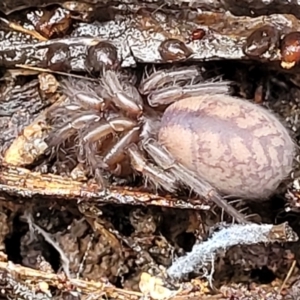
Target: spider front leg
<point>189,178</point>
<point>167,86</point>
<point>122,94</point>
<point>161,78</point>
<point>174,93</point>
<point>83,94</point>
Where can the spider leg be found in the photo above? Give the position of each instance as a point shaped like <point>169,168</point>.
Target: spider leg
<point>201,187</point>
<point>88,156</point>
<point>151,172</point>
<point>128,101</point>
<point>117,153</point>
<point>82,92</point>
<point>58,136</point>
<point>161,78</point>
<point>92,137</point>
<point>174,93</point>
<point>103,129</point>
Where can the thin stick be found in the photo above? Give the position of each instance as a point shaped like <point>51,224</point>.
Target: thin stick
<point>20,28</point>
<point>54,72</point>
<point>200,258</point>
<point>20,273</point>
<point>287,277</point>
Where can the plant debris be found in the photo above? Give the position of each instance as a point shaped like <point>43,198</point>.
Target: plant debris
<point>63,235</point>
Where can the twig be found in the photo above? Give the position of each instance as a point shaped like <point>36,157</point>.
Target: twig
<point>37,69</point>
<point>26,185</point>
<point>20,28</point>
<point>35,277</point>
<point>288,275</point>
<point>200,258</point>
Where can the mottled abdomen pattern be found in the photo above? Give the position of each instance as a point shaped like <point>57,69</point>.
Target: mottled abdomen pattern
<point>240,148</point>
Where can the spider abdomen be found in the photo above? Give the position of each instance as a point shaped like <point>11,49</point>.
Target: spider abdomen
<point>240,148</point>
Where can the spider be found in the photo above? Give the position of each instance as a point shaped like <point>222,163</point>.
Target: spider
<point>176,130</point>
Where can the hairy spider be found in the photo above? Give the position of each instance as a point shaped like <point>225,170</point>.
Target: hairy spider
<point>205,139</point>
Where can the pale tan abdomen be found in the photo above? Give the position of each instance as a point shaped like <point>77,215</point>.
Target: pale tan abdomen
<point>238,147</point>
